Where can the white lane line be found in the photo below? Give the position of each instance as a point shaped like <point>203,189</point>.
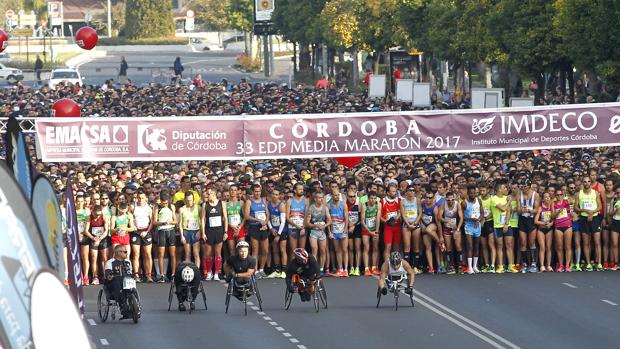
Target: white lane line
<point>91,322</point>
<point>286,334</point>
<point>569,285</point>
<point>280,328</point>
<point>250,303</point>
<point>261,313</point>
<point>463,322</point>
<point>104,341</point>
<point>273,323</point>
<point>255,308</point>
<point>266,318</point>
<point>293,340</point>
<point>301,346</point>
<point>608,302</point>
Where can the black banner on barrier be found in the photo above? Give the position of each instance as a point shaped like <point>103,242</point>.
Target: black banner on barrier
<point>49,217</point>
<point>74,263</point>
<point>17,157</point>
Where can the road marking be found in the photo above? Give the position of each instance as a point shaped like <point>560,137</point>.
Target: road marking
<point>286,334</point>
<point>266,318</point>
<point>280,328</point>
<point>293,340</point>
<point>250,303</point>
<point>569,285</point>
<point>261,313</point>
<point>92,322</point>
<point>104,341</point>
<point>608,302</point>
<point>273,323</point>
<point>255,308</point>
<point>463,322</point>
<point>301,346</point>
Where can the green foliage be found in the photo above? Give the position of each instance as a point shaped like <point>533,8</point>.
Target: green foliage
<point>149,19</point>
<point>118,17</point>
<point>300,20</point>
<point>212,14</point>
<point>240,14</point>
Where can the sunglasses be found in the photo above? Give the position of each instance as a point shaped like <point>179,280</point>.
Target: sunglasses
<point>122,251</point>
<point>352,197</point>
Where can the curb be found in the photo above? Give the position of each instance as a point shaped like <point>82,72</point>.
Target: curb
<point>85,58</point>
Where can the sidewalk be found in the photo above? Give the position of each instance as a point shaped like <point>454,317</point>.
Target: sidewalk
<point>281,67</point>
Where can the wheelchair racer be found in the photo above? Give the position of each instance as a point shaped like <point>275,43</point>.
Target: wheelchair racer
<point>240,268</point>
<point>302,271</point>
<point>395,268</point>
<point>186,280</point>
<point>116,269</point>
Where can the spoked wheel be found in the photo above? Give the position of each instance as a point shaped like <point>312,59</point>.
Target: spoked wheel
<point>191,301</point>
<point>228,294</point>
<point>103,306</point>
<point>259,299</point>
<point>317,301</point>
<point>245,302</point>
<point>288,297</point>
<point>378,297</point>
<point>170,295</point>
<point>411,299</point>
<point>135,308</point>
<point>322,293</point>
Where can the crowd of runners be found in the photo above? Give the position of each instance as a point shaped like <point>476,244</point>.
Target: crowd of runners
<point>525,211</point>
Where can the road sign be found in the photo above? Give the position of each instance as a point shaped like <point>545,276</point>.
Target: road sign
<point>22,32</point>
<point>9,14</point>
<point>27,20</point>
<point>189,14</point>
<point>189,24</point>
<point>9,22</point>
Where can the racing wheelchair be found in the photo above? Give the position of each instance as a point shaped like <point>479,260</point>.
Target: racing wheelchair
<point>131,301</point>
<point>190,299</point>
<point>315,287</point>
<point>243,291</point>
<point>395,285</point>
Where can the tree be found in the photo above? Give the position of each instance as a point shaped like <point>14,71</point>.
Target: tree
<point>149,19</point>
<point>240,16</point>
<point>212,14</point>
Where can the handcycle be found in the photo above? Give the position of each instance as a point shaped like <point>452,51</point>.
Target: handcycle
<point>245,290</point>
<point>319,295</point>
<point>190,295</point>
<point>395,285</point>
<point>131,301</point>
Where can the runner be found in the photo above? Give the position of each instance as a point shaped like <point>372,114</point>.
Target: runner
<point>317,220</point>
<point>141,239</point>
<point>97,228</point>
<point>214,224</point>
<point>572,200</point>
<point>528,205</point>
<point>500,208</point>
<point>487,237</point>
<point>473,220</point>
<point>544,222</point>
<point>121,225</point>
<point>411,208</point>
<point>615,229</point>
<point>451,219</point>
<point>588,207</point>
<point>355,232</point>
<point>278,233</point>
<point>189,226</point>
<point>296,208</point>
<point>236,220</point>
<point>83,216</point>
<point>563,232</point>
<point>164,221</point>
<point>338,230</point>
<point>370,230</point>
<point>257,217</point>
<point>391,219</point>
<point>608,199</point>
<point>430,229</point>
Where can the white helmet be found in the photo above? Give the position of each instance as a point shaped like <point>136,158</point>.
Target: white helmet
<point>187,274</point>
<point>242,244</point>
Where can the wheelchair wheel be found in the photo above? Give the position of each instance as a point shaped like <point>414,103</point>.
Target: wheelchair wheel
<point>259,299</point>
<point>204,295</point>
<point>103,306</point>
<point>411,299</point>
<point>135,308</point>
<point>170,294</point>
<point>228,294</point>
<point>396,292</point>
<point>288,297</point>
<point>245,302</point>
<point>378,296</point>
<point>322,293</point>
<point>316,300</point>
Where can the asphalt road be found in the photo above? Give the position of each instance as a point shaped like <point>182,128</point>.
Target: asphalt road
<point>577,310</point>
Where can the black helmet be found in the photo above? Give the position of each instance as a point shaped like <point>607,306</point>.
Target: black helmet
<point>395,258</point>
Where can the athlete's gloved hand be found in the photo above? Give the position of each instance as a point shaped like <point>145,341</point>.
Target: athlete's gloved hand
<point>384,291</point>
<point>409,290</point>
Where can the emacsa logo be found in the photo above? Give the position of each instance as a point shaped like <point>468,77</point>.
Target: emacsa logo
<point>151,139</point>
<point>615,124</point>
<point>482,126</point>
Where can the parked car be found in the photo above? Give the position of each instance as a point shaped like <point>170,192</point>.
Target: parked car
<point>66,75</point>
<point>201,45</point>
<point>11,75</point>
<point>5,57</point>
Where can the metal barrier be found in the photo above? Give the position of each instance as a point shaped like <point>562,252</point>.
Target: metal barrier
<point>27,124</point>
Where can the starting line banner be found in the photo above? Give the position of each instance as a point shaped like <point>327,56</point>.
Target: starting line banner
<point>328,135</point>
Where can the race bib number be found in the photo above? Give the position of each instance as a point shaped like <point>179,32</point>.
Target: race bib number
<point>97,231</point>
<point>502,218</point>
<point>338,227</point>
<point>354,217</point>
<point>411,215</point>
<point>475,213</point>
<point>371,222</point>
<point>392,215</point>
<point>81,226</point>
<point>452,221</point>
<point>261,215</point>
<point>142,222</point>
<point>427,219</point>
<point>129,283</point>
<point>588,205</point>
<point>215,222</point>
<point>275,220</point>
<point>546,216</point>
<point>234,219</point>
<point>487,212</point>
<point>192,224</point>
<point>563,213</point>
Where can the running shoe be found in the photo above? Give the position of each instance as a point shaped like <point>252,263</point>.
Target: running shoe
<point>375,271</point>
<point>543,269</point>
<point>476,271</point>
<point>344,274</point>
<point>367,272</point>
<point>273,275</point>
<point>523,268</point>
<point>441,269</point>
<point>485,269</point>
<point>463,269</point>
<point>589,267</point>
<point>534,269</point>
<point>282,275</point>
<point>549,269</point>
<point>451,270</point>
<point>161,279</point>
<point>149,278</point>
<point>85,281</point>
<point>357,271</point>
<point>328,273</point>
<point>352,271</point>
<point>491,269</point>
<point>417,271</point>
<point>210,275</point>
<point>606,266</point>
<point>567,268</point>
<point>613,267</point>
<point>95,281</point>
<point>431,270</point>
<point>599,267</point>
<point>216,277</point>
<point>560,268</point>
<point>338,274</point>
<point>470,271</point>
<point>66,282</point>
<point>514,269</point>
<point>499,270</point>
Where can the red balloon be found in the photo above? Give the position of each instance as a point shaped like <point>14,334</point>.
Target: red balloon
<point>350,161</point>
<point>4,40</point>
<point>66,108</point>
<point>86,38</point>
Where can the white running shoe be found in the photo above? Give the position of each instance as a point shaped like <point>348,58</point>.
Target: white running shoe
<point>476,271</point>
<point>216,277</point>
<point>209,276</point>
